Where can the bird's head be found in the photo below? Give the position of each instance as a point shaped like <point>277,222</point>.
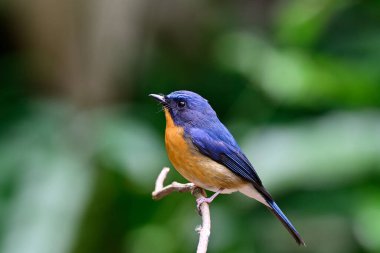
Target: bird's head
<point>186,108</point>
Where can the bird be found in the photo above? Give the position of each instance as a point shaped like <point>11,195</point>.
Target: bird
<point>204,152</point>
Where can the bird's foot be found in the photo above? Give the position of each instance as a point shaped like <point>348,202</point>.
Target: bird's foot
<point>202,200</point>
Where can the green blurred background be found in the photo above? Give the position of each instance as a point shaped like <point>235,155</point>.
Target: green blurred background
<point>81,143</point>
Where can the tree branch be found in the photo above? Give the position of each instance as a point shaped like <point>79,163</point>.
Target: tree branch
<point>160,192</point>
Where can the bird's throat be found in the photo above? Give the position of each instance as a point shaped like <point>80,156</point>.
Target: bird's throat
<point>169,119</point>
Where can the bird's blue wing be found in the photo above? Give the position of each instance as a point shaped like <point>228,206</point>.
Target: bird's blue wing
<point>222,148</point>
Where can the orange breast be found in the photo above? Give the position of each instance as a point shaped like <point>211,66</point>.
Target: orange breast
<point>195,167</point>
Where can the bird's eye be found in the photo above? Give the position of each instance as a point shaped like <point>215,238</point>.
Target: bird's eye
<point>181,104</point>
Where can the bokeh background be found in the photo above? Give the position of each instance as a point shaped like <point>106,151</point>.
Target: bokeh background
<point>81,143</point>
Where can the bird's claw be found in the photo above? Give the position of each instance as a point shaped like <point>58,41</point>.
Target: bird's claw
<point>202,200</point>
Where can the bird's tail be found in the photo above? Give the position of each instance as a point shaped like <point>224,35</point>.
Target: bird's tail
<point>285,221</point>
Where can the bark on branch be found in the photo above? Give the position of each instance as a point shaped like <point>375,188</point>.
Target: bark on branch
<point>160,191</point>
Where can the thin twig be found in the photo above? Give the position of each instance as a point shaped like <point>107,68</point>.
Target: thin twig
<point>205,230</point>
<point>160,191</point>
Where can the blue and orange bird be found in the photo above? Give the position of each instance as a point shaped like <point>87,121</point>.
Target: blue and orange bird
<point>203,151</point>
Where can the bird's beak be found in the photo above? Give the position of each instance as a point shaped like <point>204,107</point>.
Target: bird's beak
<point>159,98</point>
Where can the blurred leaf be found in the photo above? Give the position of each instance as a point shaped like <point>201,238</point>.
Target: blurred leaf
<point>51,155</point>
<point>131,146</point>
<point>334,149</point>
<point>300,22</point>
<point>294,77</point>
<point>367,220</point>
